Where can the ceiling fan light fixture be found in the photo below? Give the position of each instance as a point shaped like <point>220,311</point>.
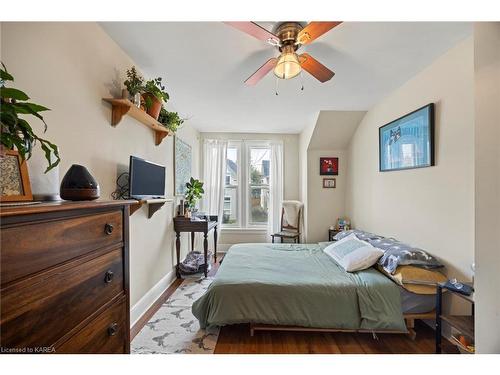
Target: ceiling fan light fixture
<point>288,65</point>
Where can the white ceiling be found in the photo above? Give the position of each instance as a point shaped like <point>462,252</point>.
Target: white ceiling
<point>204,65</point>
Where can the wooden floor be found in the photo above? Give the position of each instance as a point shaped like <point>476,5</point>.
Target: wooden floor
<point>236,339</point>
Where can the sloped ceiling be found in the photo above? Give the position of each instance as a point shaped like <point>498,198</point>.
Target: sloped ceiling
<point>334,129</point>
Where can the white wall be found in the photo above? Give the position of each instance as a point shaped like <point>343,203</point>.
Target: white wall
<point>69,67</point>
<point>487,179</point>
<point>290,180</point>
<point>430,207</point>
<point>330,138</point>
<point>325,206</point>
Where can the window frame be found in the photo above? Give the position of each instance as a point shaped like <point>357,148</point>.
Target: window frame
<point>237,146</point>
<point>244,186</point>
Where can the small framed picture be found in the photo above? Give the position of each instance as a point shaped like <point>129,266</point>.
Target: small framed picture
<point>328,166</point>
<point>329,183</point>
<point>14,181</point>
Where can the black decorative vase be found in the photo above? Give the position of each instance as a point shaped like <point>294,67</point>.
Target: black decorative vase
<point>79,185</point>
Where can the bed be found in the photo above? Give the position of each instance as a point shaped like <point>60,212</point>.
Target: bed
<point>299,287</point>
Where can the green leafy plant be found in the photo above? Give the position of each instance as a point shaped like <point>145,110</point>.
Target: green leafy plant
<point>194,192</point>
<point>17,132</point>
<point>134,82</point>
<point>171,120</point>
<point>157,89</point>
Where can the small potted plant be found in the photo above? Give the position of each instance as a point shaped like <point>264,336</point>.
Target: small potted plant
<point>16,131</point>
<point>194,192</point>
<point>134,86</point>
<point>170,120</point>
<point>154,95</point>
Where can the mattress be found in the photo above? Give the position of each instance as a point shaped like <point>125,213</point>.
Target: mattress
<point>412,303</point>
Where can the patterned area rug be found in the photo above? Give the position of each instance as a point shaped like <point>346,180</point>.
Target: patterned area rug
<point>174,329</point>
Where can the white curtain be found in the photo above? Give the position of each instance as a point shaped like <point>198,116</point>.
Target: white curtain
<point>275,188</point>
<point>214,172</point>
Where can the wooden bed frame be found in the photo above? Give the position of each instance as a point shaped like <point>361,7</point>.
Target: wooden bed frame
<point>409,319</point>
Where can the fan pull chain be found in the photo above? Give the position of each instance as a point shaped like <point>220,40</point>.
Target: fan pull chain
<point>301,81</point>
<point>276,89</point>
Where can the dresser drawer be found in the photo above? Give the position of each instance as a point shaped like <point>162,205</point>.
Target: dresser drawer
<point>105,334</point>
<point>29,248</point>
<point>45,308</point>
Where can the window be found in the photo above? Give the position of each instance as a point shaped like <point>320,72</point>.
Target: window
<point>230,215</point>
<point>260,158</point>
<point>246,190</point>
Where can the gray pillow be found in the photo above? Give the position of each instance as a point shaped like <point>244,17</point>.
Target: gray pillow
<point>396,253</point>
<point>363,236</point>
<point>400,254</point>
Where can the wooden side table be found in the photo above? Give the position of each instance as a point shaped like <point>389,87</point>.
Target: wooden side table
<point>462,323</point>
<point>181,224</point>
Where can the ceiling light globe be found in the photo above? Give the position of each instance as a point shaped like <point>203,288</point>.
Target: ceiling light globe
<point>288,65</point>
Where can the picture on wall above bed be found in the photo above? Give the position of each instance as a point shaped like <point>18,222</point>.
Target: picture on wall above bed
<point>328,166</point>
<point>408,142</point>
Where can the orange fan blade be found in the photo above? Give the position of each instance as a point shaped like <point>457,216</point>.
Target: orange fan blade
<point>254,30</point>
<point>261,72</point>
<point>314,30</point>
<point>315,68</point>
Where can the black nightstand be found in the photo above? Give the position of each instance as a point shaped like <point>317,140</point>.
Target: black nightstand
<point>462,323</point>
<point>331,234</point>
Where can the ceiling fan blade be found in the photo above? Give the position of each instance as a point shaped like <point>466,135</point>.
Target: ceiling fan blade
<point>315,68</point>
<point>314,30</point>
<point>261,72</point>
<point>255,30</point>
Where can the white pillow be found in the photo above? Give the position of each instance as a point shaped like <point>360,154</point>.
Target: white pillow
<point>353,254</point>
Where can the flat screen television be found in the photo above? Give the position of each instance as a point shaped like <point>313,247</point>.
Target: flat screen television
<point>146,179</point>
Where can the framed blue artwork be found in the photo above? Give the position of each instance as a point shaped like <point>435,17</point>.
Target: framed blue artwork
<point>408,142</point>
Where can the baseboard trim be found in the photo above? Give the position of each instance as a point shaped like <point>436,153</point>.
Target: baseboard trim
<point>150,298</point>
<point>223,247</point>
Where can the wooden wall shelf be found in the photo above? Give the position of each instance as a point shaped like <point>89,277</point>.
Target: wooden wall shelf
<point>153,205</point>
<point>122,107</point>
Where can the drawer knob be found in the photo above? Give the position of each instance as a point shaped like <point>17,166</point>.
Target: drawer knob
<point>108,229</point>
<point>112,329</point>
<point>108,277</point>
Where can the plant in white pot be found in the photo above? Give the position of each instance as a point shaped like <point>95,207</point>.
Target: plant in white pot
<point>194,192</point>
<point>134,86</point>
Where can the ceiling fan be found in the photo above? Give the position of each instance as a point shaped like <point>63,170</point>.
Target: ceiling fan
<point>288,37</point>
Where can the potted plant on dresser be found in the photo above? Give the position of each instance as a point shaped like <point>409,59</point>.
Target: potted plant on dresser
<point>154,96</point>
<point>18,141</point>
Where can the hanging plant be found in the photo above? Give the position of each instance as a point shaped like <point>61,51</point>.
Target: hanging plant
<point>170,120</point>
<point>17,132</point>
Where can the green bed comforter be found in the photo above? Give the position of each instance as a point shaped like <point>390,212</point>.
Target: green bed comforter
<point>298,285</point>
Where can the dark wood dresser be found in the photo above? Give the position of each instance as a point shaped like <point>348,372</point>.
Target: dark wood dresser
<point>64,278</point>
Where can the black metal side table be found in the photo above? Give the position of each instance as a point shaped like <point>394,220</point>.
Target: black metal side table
<point>331,234</point>
<point>462,323</point>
